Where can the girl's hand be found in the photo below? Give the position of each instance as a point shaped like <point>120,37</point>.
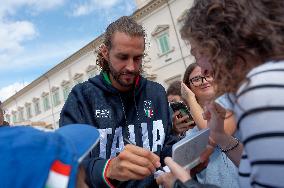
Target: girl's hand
<point>186,93</point>
<point>168,179</point>
<point>215,116</point>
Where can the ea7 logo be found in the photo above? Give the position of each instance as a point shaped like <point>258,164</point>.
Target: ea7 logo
<point>103,113</point>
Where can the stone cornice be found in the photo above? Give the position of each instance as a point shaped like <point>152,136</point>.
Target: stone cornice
<point>90,68</point>
<point>77,75</point>
<point>28,104</point>
<point>44,94</point>
<point>159,29</point>
<point>35,99</point>
<point>148,9</point>
<point>54,88</point>
<point>64,83</point>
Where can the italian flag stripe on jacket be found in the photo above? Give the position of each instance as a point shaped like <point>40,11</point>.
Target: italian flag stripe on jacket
<point>58,176</point>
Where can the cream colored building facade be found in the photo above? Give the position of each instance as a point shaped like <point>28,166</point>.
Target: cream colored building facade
<point>168,56</point>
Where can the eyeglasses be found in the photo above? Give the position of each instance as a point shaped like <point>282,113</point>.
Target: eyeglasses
<point>199,80</point>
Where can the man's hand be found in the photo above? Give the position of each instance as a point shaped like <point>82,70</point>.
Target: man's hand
<point>177,172</point>
<point>133,163</point>
<point>181,124</point>
<point>166,180</point>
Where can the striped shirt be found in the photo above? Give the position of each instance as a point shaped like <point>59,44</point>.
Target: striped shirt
<point>259,110</point>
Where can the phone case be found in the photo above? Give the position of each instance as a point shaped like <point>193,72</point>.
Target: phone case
<point>180,106</point>
<point>187,151</point>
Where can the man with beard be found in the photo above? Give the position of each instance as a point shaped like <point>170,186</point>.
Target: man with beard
<point>126,108</point>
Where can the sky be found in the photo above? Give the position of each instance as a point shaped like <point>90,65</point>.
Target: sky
<point>35,35</point>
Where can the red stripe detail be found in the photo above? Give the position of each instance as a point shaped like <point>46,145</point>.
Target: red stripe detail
<point>107,180</point>
<point>137,81</point>
<point>61,168</point>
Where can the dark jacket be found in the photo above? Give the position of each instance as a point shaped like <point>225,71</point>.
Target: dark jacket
<point>142,115</point>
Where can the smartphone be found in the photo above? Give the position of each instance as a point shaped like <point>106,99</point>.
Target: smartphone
<point>180,106</point>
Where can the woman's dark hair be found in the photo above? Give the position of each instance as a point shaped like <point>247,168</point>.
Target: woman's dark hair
<point>174,88</point>
<point>234,31</point>
<point>188,71</point>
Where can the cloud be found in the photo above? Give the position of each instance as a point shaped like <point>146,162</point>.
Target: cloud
<point>10,90</point>
<point>36,56</point>
<point>41,5</point>
<point>9,7</point>
<point>14,33</point>
<point>91,5</point>
<point>27,61</point>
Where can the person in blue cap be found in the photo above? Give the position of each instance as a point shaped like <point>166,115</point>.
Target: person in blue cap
<point>33,158</point>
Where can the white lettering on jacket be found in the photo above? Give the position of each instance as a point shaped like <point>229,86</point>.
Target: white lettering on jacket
<point>117,138</point>
<point>103,140</point>
<point>158,138</point>
<point>158,134</point>
<point>105,113</point>
<point>145,138</point>
<point>131,134</point>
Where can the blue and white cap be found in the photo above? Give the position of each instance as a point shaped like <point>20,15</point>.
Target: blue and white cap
<point>33,158</point>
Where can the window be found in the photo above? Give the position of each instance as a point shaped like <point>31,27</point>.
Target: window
<point>36,106</point>
<point>91,74</point>
<point>55,96</point>
<point>14,117</point>
<point>57,124</point>
<point>66,91</point>
<point>66,88</point>
<point>21,114</point>
<point>91,71</point>
<point>78,78</point>
<point>28,110</point>
<point>46,105</point>
<point>179,23</point>
<point>78,81</point>
<point>45,99</point>
<point>8,118</point>
<point>163,41</point>
<point>181,19</point>
<point>161,35</point>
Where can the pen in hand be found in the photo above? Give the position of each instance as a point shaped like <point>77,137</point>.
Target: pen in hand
<point>129,142</point>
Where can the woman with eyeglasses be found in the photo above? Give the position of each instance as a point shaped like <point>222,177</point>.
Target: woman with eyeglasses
<point>197,89</point>
<point>245,40</point>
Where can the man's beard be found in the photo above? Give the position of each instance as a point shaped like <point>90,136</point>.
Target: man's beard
<point>116,76</point>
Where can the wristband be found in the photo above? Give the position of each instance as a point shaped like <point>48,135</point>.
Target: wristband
<point>229,148</point>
